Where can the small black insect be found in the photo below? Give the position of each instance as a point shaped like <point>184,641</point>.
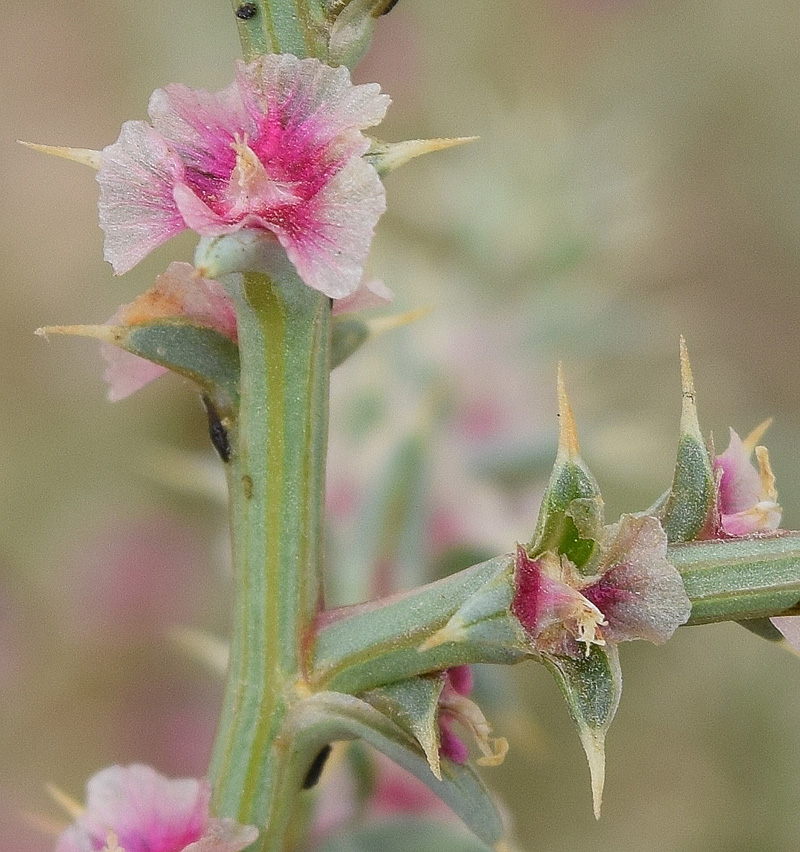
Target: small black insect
<point>315,770</point>
<point>247,11</point>
<point>217,431</point>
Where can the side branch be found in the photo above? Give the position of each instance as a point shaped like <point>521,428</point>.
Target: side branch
<point>388,640</point>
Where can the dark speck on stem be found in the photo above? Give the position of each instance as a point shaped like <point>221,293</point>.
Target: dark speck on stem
<point>246,11</point>
<point>315,770</point>
<point>217,431</point>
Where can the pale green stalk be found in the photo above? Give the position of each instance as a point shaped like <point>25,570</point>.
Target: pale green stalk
<point>276,477</point>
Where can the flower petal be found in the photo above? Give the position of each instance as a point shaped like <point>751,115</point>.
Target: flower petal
<point>328,238</point>
<point>370,294</point>
<point>181,292</point>
<point>144,809</point>
<point>740,485</point>
<point>789,625</point>
<point>137,210</point>
<point>126,373</point>
<point>200,128</point>
<point>639,592</point>
<point>310,104</point>
<point>224,835</point>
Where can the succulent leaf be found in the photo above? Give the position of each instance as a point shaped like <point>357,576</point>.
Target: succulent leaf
<point>689,511</point>
<point>591,686</point>
<point>571,516</point>
<point>204,355</point>
<point>329,716</point>
<point>413,704</point>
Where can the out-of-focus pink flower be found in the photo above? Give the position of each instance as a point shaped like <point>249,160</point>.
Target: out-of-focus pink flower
<point>135,809</point>
<point>279,151</point>
<point>132,579</point>
<point>634,592</point>
<point>394,792</point>
<point>747,498</point>
<point>397,791</point>
<point>181,294</point>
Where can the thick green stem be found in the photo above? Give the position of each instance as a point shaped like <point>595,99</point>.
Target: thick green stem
<point>276,477</point>
<point>361,647</point>
<point>737,579</point>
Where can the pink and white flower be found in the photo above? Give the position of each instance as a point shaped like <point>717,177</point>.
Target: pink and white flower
<point>630,592</point>
<point>134,809</point>
<point>279,151</point>
<point>746,497</point>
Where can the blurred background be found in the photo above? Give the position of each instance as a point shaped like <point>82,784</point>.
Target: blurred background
<point>636,178</point>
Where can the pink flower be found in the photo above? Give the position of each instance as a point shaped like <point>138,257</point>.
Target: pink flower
<point>134,809</point>
<point>455,706</point>
<point>630,592</point>
<point>458,682</point>
<point>747,498</point>
<point>182,294</point>
<point>279,151</point>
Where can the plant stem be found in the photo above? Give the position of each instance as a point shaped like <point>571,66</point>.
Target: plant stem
<point>282,26</point>
<point>736,579</point>
<point>276,479</point>
<point>365,646</point>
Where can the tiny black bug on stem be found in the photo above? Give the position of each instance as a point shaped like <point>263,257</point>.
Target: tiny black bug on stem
<point>246,11</point>
<point>315,770</point>
<point>217,431</point>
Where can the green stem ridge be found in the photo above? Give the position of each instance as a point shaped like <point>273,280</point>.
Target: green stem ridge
<point>736,579</point>
<point>276,478</point>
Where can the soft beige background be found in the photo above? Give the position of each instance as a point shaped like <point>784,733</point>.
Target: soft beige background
<point>636,178</point>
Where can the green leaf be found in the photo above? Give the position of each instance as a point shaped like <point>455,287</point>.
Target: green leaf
<point>484,618</point>
<point>414,705</point>
<point>404,835</point>
<point>207,357</point>
<point>329,716</point>
<point>591,686</point>
<point>201,354</point>
<point>571,516</point>
<point>690,507</point>
<point>348,335</point>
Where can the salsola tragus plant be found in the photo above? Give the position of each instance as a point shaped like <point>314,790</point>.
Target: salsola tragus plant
<point>280,179</point>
